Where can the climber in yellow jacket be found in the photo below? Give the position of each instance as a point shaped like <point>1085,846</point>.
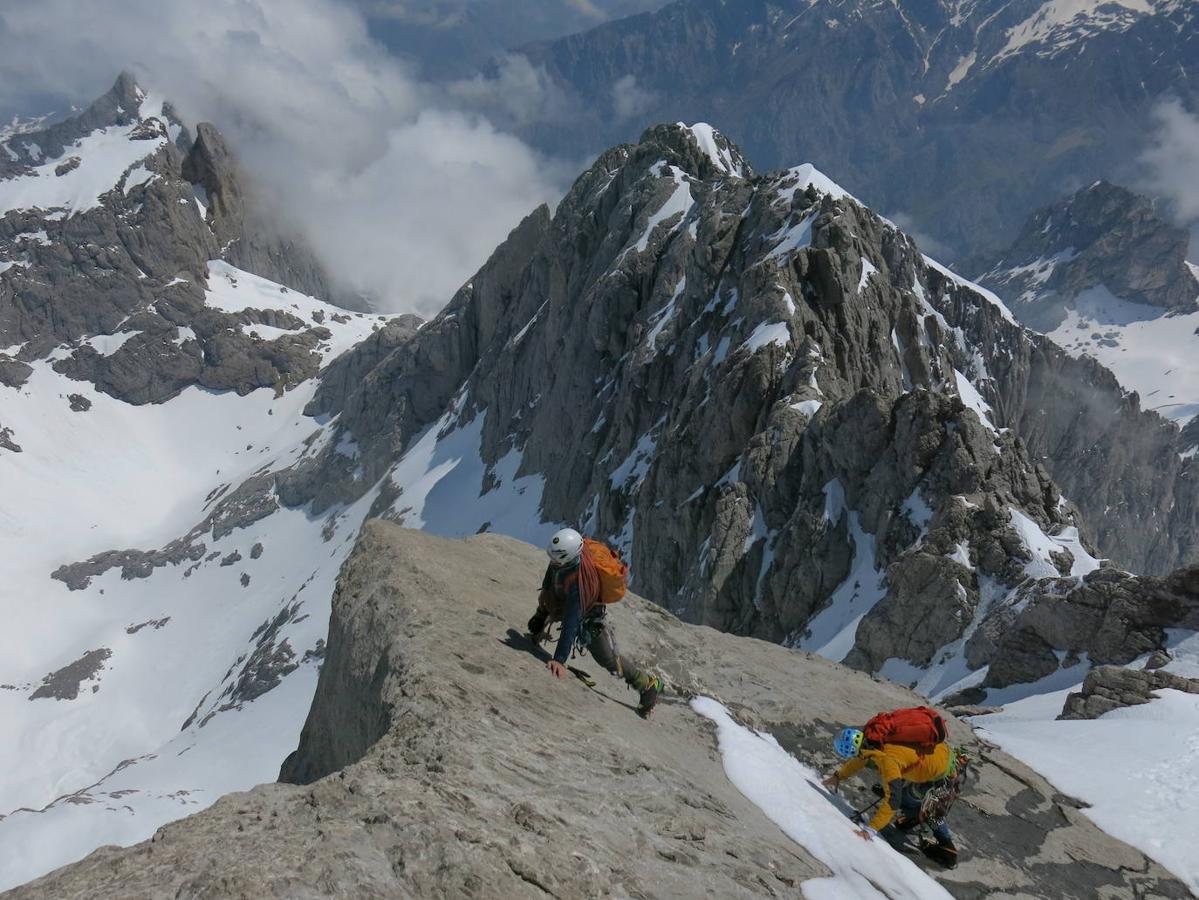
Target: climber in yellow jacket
<point>905,775</point>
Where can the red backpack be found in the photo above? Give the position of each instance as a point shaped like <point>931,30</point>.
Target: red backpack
<point>918,727</point>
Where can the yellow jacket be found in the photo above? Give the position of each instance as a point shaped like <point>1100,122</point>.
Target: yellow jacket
<point>896,763</point>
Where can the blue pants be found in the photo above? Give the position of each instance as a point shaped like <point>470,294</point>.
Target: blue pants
<point>908,806</point>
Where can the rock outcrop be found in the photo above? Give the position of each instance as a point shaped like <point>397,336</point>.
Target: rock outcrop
<point>113,291</point>
<point>248,238</point>
<point>1110,687</point>
<point>440,759</point>
<point>1110,616</point>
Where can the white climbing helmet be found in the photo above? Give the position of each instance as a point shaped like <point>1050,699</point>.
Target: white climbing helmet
<point>565,547</point>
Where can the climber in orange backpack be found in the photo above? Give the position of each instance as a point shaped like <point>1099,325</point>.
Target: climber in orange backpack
<point>917,769</point>
<point>583,577</point>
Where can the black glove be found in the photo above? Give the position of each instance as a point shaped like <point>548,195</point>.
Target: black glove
<point>538,622</point>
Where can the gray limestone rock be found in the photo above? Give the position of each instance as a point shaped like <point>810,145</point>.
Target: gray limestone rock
<point>1110,615</point>
<point>1102,236</point>
<point>1110,687</point>
<point>440,759</point>
<point>7,442</point>
<point>65,683</point>
<point>134,268</point>
<point>250,239</point>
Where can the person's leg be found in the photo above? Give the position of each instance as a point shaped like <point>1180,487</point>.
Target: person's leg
<point>941,849</point>
<point>603,650</point>
<point>909,805</point>
<point>896,833</point>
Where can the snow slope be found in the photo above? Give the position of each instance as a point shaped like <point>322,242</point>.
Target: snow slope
<point>790,795</point>
<point>1134,766</point>
<point>116,761</point>
<point>1150,351</point>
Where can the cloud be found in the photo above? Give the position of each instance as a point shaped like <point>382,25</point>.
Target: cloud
<point>516,91</point>
<point>1172,159</point>
<point>926,242</point>
<point>403,188</point>
<point>630,100</point>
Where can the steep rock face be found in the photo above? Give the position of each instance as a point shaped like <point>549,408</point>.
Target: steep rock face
<point>772,323</point>
<point>1108,615</point>
<point>1101,236</point>
<point>771,401</point>
<point>963,116</point>
<point>248,238</point>
<point>440,759</point>
<point>1125,468</point>
<point>1106,278</point>
<point>104,259</point>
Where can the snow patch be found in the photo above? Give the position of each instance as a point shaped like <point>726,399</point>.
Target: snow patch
<point>768,333</point>
<point>705,134</point>
<point>105,155</point>
<point>974,400</point>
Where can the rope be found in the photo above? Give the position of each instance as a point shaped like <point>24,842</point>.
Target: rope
<point>589,582</point>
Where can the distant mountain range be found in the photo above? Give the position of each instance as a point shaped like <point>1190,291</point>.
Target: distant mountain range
<point>956,117</point>
<point>453,38</point>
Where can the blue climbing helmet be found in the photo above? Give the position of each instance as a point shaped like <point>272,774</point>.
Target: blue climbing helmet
<point>848,743</point>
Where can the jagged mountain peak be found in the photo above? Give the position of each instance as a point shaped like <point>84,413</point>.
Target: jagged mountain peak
<point>1106,276</point>
<point>1102,234</point>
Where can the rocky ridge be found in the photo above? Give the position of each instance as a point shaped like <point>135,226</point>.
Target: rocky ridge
<point>104,258</point>
<point>440,759</point>
<point>1108,617</point>
<point>793,422</point>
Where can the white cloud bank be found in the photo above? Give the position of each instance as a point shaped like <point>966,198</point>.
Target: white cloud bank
<point>402,190</point>
<point>1172,159</point>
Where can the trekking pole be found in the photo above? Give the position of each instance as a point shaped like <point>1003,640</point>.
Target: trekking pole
<point>860,814</point>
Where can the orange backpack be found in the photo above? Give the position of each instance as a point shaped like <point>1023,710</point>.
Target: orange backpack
<point>613,573</point>
<point>918,727</point>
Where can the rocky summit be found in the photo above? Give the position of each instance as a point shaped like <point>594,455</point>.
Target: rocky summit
<point>109,223</point>
<point>1107,278</point>
<point>440,759</point>
<point>795,424</point>
<point>961,115</point>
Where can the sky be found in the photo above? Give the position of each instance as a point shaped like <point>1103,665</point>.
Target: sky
<point>403,187</point>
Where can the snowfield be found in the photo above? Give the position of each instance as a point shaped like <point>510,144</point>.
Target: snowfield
<point>1149,350</point>
<point>142,657</point>
<point>1136,767</point>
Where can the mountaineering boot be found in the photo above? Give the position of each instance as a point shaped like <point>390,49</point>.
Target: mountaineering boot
<point>650,687</point>
<point>941,851</point>
<point>897,839</point>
